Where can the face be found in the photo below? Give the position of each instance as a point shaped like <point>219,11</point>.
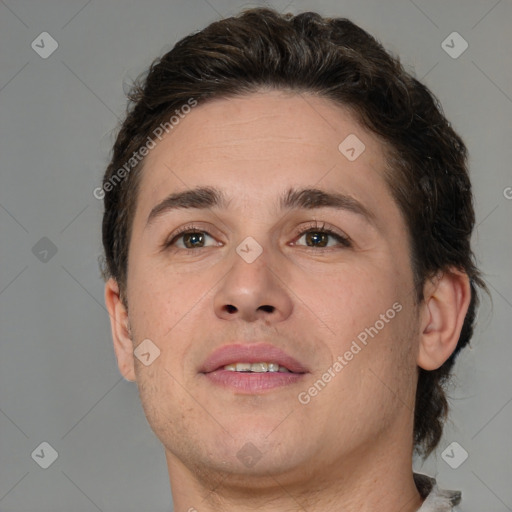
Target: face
<point>293,255</point>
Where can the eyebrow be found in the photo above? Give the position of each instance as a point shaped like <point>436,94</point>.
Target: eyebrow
<point>310,198</point>
<point>305,198</point>
<point>199,198</point>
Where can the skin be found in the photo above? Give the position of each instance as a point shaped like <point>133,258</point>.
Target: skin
<point>352,443</point>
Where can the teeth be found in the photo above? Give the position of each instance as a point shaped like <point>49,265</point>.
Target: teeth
<point>255,367</point>
<point>259,367</point>
<point>243,367</point>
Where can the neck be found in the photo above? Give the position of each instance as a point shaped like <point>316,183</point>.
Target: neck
<point>362,482</point>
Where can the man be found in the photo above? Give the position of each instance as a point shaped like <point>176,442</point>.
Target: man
<point>287,232</point>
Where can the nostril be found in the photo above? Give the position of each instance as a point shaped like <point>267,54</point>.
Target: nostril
<point>230,308</point>
<point>268,309</point>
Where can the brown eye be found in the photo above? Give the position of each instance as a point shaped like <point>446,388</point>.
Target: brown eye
<point>191,240</point>
<point>321,238</point>
<point>317,239</point>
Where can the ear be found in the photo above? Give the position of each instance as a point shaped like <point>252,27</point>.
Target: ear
<point>119,324</point>
<point>446,301</point>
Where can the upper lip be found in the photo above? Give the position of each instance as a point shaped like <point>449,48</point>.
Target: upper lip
<point>250,353</point>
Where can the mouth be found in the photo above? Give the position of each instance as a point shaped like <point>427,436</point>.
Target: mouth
<point>256,368</point>
<point>252,368</point>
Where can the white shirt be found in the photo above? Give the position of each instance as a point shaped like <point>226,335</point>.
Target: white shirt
<point>436,500</point>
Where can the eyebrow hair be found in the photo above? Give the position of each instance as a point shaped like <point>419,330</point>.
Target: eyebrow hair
<point>305,198</point>
<point>200,198</point>
<point>310,198</point>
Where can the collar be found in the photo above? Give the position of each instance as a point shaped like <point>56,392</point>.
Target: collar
<point>436,500</point>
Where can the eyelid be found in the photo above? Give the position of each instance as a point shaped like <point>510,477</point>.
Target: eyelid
<point>322,227</point>
<point>188,228</point>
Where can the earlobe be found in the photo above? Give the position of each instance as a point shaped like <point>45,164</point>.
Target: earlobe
<point>121,336</point>
<point>446,301</point>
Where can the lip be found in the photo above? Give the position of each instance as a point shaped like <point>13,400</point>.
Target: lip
<point>251,353</point>
<point>252,383</point>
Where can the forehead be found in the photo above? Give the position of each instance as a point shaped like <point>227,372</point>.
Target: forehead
<point>264,142</point>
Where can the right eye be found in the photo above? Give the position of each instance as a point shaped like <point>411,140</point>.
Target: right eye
<point>190,238</point>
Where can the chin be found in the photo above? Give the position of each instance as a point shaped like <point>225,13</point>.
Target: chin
<point>255,452</point>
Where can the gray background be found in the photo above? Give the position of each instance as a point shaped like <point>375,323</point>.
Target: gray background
<point>58,377</point>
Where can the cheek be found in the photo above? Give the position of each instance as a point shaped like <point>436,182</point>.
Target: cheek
<point>368,313</point>
<point>156,385</point>
<point>351,299</point>
<point>160,299</point>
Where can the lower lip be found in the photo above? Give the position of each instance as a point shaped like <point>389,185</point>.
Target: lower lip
<point>252,382</point>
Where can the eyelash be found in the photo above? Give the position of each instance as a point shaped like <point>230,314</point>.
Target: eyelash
<point>313,228</point>
<point>182,231</point>
<point>316,228</point>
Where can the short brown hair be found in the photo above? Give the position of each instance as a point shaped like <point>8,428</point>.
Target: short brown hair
<point>336,59</point>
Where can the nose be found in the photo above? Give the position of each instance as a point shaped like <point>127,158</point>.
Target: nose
<point>254,291</point>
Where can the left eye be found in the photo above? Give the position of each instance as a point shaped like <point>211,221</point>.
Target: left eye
<point>320,238</point>
<point>191,240</point>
